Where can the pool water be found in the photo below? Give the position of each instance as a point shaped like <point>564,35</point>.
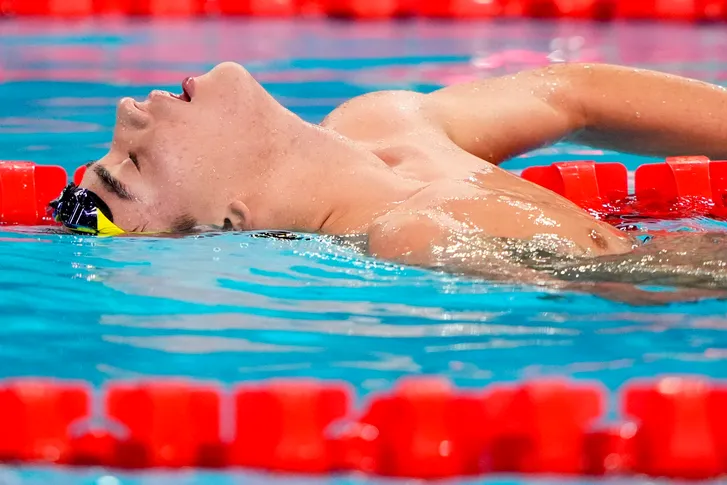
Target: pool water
<point>234,307</point>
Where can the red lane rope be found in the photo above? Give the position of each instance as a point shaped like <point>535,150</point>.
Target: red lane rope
<point>681,187</point>
<point>684,10</point>
<point>422,428</point>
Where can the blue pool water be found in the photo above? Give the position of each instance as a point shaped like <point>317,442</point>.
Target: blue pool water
<point>232,307</point>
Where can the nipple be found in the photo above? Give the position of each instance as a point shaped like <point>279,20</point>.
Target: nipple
<point>598,239</point>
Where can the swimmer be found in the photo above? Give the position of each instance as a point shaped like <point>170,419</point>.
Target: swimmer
<point>417,173</point>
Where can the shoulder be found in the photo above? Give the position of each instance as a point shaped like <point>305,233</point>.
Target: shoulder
<point>378,115</point>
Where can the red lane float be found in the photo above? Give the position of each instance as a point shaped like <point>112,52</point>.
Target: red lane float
<point>169,424</point>
<point>166,8</point>
<point>680,187</point>
<point>258,8</point>
<point>458,8</point>
<point>283,425</point>
<point>26,189</point>
<point>610,451</point>
<point>112,7</point>
<point>35,419</point>
<point>683,428</point>
<point>585,183</point>
<point>363,9</point>
<point>692,183</point>
<point>541,427</point>
<point>78,174</point>
<point>55,8</point>
<point>423,428</point>
<point>682,10</point>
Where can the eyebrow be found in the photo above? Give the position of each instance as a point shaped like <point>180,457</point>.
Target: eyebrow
<point>111,183</point>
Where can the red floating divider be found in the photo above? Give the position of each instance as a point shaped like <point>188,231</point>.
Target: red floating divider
<point>170,424</point>
<point>684,185</point>
<point>541,427</point>
<point>678,177</point>
<point>26,190</point>
<point>94,448</point>
<point>424,429</point>
<point>459,8</point>
<point>682,428</point>
<point>78,174</point>
<point>362,9</point>
<point>682,10</point>
<point>680,187</point>
<point>284,425</point>
<point>258,8</point>
<point>113,7</point>
<point>610,451</point>
<point>310,8</point>
<point>166,8</point>
<point>685,10</point>
<point>713,10</point>
<point>35,416</point>
<point>585,183</point>
<point>61,8</point>
<point>582,9</point>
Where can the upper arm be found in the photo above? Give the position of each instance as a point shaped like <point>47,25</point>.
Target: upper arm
<point>406,237</point>
<point>435,240</point>
<point>499,118</point>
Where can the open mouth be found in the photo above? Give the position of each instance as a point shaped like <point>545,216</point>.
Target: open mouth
<point>187,90</point>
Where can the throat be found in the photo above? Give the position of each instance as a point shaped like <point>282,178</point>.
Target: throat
<point>367,199</point>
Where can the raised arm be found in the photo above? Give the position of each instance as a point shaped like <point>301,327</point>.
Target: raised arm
<point>604,106</point>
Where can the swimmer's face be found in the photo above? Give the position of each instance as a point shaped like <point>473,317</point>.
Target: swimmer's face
<point>172,162</point>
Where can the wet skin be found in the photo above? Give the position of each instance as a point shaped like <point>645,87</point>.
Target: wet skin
<point>417,173</point>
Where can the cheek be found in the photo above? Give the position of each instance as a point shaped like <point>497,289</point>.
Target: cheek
<point>192,157</point>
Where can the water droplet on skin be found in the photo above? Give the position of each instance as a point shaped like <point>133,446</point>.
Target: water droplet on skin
<point>178,184</point>
<point>638,115</point>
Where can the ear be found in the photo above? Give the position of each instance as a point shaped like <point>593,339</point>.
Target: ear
<point>238,216</point>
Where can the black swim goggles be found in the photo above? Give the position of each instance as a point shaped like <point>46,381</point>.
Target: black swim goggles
<point>82,211</point>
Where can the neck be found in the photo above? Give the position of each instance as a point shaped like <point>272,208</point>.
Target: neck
<point>316,180</point>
